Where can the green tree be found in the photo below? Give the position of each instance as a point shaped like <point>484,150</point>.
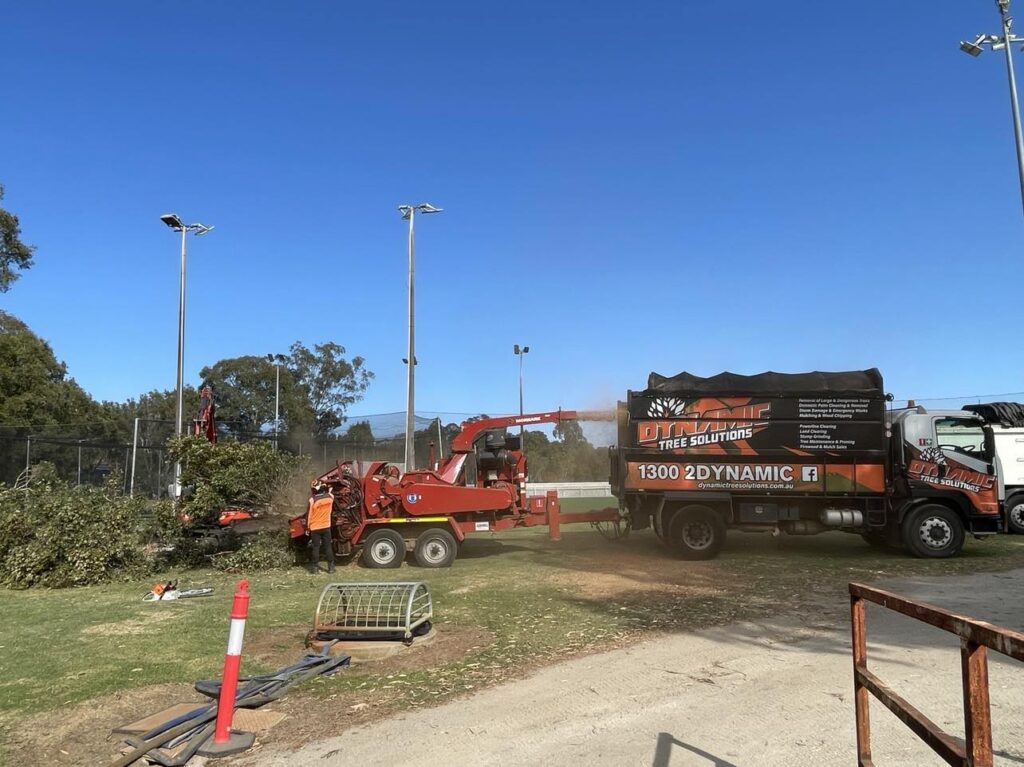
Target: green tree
<point>569,433</point>
<point>568,458</point>
<point>38,399</point>
<point>331,382</point>
<point>359,433</point>
<point>14,254</point>
<point>244,389</point>
<point>317,386</point>
<point>228,473</point>
<point>53,534</point>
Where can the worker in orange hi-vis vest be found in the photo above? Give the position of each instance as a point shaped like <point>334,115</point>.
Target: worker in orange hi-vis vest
<point>318,523</point>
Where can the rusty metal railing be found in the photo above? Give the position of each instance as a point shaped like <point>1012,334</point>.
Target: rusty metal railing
<point>976,638</point>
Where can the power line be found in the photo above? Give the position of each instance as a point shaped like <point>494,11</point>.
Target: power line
<point>965,396</point>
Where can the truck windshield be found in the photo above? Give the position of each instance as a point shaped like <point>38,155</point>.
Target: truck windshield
<point>961,435</point>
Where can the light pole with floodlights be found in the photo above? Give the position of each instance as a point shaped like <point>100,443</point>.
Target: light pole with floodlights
<point>409,214</point>
<point>519,351</point>
<point>174,222</point>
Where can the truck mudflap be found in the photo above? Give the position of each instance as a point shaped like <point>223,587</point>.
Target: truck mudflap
<point>980,526</point>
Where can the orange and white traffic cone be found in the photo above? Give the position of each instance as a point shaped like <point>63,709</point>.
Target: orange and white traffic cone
<point>226,741</point>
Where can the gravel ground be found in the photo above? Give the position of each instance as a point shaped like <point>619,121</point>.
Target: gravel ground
<point>758,694</point>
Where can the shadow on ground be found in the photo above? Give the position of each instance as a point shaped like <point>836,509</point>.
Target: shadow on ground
<point>667,743</point>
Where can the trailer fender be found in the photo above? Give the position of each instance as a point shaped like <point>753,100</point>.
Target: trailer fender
<point>408,527</point>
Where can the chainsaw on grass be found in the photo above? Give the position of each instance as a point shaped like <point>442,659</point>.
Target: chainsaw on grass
<point>166,591</point>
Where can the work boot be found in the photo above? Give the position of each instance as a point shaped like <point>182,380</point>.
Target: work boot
<point>330,569</point>
<point>313,570</point>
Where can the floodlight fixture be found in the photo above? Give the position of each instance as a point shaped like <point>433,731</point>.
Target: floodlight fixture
<point>424,207</point>
<point>172,220</point>
<point>973,49</point>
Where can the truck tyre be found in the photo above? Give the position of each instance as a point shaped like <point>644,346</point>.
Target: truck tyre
<point>1015,514</point>
<point>933,532</point>
<point>383,549</point>
<point>435,547</point>
<point>696,532</point>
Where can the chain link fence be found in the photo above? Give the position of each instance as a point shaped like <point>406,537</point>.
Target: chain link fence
<point>136,452</point>
<point>90,453</point>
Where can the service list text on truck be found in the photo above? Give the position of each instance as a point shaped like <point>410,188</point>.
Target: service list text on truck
<point>801,454</point>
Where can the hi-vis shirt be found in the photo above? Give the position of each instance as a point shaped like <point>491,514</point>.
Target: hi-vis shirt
<point>319,515</point>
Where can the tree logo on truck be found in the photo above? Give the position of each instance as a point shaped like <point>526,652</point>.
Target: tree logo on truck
<point>667,407</point>
<point>934,455</point>
<point>933,468</point>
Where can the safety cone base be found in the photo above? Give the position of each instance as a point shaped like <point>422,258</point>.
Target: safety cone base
<point>236,743</point>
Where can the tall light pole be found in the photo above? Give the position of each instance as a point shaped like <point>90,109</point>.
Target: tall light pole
<point>1005,42</point>
<point>277,359</point>
<point>409,214</point>
<point>174,221</point>
<point>519,351</point>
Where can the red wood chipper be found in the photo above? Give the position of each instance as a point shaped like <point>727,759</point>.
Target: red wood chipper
<point>479,487</point>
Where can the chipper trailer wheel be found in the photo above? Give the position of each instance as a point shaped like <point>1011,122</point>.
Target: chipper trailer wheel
<point>435,547</point>
<point>383,549</point>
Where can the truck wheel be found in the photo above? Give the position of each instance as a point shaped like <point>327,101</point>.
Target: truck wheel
<point>933,532</point>
<point>696,532</point>
<point>383,549</point>
<point>435,547</point>
<point>1015,514</point>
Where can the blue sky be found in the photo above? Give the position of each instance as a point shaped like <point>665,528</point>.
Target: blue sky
<point>627,188</point>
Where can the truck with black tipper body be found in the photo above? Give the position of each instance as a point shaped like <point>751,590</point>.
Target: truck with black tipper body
<point>801,454</point>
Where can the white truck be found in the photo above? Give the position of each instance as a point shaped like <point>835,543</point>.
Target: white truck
<point>1007,419</point>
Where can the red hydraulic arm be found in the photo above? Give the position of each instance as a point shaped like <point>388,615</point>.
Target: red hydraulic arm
<point>205,424</point>
<point>463,442</point>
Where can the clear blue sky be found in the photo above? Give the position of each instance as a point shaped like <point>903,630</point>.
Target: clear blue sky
<point>627,187</point>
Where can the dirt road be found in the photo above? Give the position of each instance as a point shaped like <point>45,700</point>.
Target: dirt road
<point>749,694</point>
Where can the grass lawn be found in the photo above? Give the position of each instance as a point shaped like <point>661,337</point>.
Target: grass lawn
<point>512,601</point>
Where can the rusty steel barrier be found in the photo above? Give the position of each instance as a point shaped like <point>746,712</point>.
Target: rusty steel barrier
<point>976,638</point>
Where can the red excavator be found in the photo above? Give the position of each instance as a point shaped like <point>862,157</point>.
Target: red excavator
<point>233,521</point>
<point>480,487</point>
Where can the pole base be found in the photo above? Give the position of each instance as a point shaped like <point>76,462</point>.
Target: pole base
<point>236,743</point>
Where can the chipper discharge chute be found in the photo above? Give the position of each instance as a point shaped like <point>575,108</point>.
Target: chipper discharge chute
<point>383,611</point>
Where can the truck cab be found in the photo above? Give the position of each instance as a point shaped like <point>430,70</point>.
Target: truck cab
<point>943,459</point>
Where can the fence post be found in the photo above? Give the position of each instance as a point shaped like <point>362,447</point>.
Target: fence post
<point>135,449</point>
<point>554,516</point>
<point>977,712</point>
<point>860,692</point>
